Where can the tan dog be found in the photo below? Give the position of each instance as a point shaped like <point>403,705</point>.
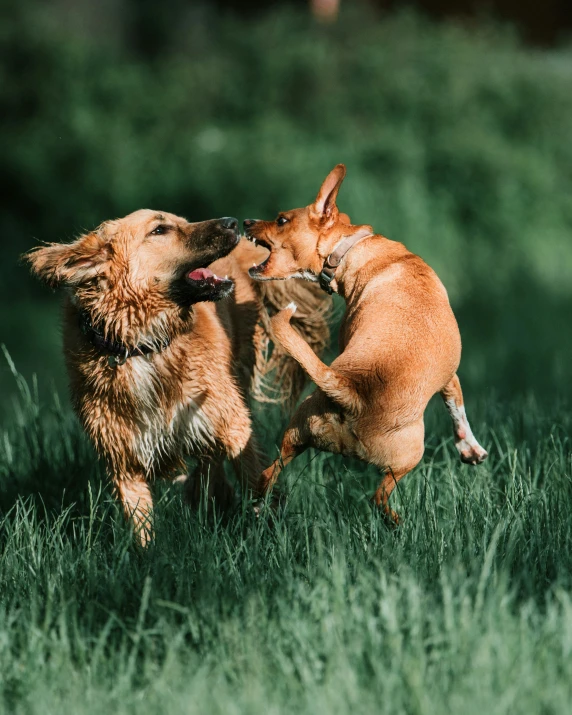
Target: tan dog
<point>399,341</point>
<point>159,371</point>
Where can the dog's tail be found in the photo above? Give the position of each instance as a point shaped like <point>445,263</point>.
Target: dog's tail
<point>339,387</point>
<point>278,378</point>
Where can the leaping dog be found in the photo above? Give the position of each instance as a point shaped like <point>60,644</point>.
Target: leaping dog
<point>399,342</point>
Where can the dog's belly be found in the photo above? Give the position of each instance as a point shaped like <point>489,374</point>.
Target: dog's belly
<point>332,433</point>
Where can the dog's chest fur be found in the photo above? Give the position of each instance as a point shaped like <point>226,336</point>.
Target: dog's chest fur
<point>166,425</point>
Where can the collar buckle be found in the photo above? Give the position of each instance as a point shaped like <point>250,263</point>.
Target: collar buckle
<point>118,360</point>
<point>337,255</point>
<point>325,278</point>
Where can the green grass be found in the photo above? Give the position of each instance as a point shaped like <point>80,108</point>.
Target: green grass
<point>466,607</point>
<point>459,143</point>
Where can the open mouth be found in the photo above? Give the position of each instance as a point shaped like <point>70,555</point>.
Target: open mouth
<point>258,268</point>
<point>205,278</point>
<point>199,285</point>
<point>258,241</point>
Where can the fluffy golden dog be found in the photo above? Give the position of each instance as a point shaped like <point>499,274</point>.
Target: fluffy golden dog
<point>399,341</point>
<point>161,351</point>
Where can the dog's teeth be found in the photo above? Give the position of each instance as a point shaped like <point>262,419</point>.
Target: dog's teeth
<point>254,241</point>
<point>226,277</point>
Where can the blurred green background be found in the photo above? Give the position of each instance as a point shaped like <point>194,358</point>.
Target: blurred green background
<point>457,140</point>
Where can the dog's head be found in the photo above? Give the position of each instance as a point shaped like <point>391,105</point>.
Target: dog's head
<point>299,240</point>
<point>149,261</point>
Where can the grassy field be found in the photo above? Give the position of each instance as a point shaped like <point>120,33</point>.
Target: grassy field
<point>458,142</point>
<point>466,607</point>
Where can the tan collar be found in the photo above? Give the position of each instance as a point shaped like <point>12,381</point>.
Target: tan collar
<point>336,256</point>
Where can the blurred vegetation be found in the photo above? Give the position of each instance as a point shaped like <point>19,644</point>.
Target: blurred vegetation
<point>458,144</point>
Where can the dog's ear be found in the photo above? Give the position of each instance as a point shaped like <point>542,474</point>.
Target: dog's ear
<point>71,263</point>
<point>324,208</point>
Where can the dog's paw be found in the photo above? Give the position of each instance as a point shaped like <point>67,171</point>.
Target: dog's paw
<point>281,321</point>
<point>271,506</point>
<point>471,452</point>
<point>285,315</point>
<point>392,518</point>
<point>144,535</point>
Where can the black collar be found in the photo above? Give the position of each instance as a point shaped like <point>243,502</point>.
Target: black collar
<point>118,352</point>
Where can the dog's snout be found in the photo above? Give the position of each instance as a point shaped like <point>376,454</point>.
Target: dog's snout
<point>249,222</point>
<point>229,222</point>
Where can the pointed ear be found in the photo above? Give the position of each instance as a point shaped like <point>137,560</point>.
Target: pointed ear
<point>324,207</point>
<point>71,263</point>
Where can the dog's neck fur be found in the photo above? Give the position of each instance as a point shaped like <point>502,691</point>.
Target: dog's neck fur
<point>370,258</point>
<point>350,277</point>
<point>129,324</point>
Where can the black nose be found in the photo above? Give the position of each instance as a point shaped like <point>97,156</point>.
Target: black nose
<point>229,222</point>
<point>248,222</point>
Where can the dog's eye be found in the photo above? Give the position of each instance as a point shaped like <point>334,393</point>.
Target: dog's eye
<point>281,220</point>
<point>160,230</point>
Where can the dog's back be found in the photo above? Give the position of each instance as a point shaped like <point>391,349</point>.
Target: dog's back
<point>399,338</point>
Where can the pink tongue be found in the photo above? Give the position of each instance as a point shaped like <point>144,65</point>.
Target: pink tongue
<point>201,274</point>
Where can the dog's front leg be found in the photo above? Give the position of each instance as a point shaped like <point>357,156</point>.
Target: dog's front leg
<point>290,448</point>
<point>247,466</point>
<point>209,483</point>
<point>338,387</point>
<point>236,437</point>
<point>135,496</point>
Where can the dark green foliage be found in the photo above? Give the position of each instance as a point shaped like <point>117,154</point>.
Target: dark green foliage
<point>459,145</point>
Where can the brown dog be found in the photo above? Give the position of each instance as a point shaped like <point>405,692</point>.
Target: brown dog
<point>158,370</point>
<point>399,341</point>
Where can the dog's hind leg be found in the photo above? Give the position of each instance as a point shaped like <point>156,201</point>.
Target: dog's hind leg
<point>383,492</point>
<point>403,450</point>
<point>316,423</point>
<point>469,449</point>
<point>137,503</point>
